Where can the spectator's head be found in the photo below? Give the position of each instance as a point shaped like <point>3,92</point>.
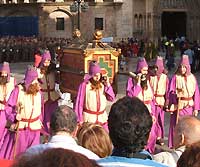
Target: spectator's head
<point>63,120</point>
<point>142,66</point>
<point>187,131</point>
<point>95,138</point>
<point>129,124</point>
<point>190,157</point>
<point>56,157</point>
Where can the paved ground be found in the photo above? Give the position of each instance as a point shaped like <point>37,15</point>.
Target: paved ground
<point>18,70</point>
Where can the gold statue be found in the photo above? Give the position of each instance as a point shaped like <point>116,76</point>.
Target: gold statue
<point>98,35</point>
<point>76,33</point>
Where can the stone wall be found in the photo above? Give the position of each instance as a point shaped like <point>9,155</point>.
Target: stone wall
<point>123,19</point>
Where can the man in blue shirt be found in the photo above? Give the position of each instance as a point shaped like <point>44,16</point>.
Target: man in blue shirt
<point>129,124</point>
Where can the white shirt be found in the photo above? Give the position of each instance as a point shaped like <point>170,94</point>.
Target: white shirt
<point>169,158</point>
<point>61,141</point>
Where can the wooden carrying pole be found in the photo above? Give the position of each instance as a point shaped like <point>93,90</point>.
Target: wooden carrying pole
<point>178,110</point>
<point>19,109</point>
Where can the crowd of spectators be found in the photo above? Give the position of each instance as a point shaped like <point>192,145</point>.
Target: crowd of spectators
<point>23,49</point>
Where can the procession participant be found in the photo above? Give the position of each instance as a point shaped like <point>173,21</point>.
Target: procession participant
<point>24,116</point>
<point>139,86</point>
<point>7,84</point>
<point>47,78</point>
<point>92,97</point>
<point>183,95</point>
<point>159,83</point>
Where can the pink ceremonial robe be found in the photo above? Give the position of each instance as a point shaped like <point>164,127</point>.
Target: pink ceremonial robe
<point>29,127</point>
<point>188,102</point>
<point>134,89</point>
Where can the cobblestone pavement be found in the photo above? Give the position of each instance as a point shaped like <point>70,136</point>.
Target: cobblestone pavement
<point>18,70</point>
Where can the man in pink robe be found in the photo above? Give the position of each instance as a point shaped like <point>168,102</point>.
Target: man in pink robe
<point>183,96</point>
<point>24,116</point>
<point>47,78</point>
<point>92,97</point>
<point>159,83</point>
<point>139,86</point>
<point>7,84</point>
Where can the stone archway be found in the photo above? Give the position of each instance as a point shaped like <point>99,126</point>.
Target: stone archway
<point>173,24</point>
<point>191,9</point>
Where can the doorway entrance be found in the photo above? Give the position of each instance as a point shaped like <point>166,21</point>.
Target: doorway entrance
<point>174,24</point>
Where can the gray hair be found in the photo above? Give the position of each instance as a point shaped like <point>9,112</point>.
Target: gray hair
<point>63,119</point>
<point>189,126</point>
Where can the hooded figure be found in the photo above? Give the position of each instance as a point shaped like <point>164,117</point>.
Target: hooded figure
<point>94,68</point>
<point>5,91</point>
<point>91,103</point>
<point>30,75</point>
<point>45,56</point>
<point>42,63</point>
<point>185,62</point>
<point>47,79</point>
<point>5,68</point>
<point>24,116</point>
<point>183,95</point>
<point>135,88</point>
<point>159,83</point>
<point>160,66</point>
<point>141,64</point>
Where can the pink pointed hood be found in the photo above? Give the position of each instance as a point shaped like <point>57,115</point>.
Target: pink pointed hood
<point>5,67</point>
<point>141,64</point>
<point>160,65</point>
<point>185,61</point>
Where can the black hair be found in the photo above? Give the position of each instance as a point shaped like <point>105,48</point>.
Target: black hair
<point>129,124</point>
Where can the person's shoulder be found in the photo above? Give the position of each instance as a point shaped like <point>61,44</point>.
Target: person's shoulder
<point>86,152</point>
<point>115,161</point>
<point>162,156</point>
<point>36,149</point>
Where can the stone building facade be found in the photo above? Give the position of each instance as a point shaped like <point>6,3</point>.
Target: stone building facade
<point>118,18</point>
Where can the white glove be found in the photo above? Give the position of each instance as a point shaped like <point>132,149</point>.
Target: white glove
<point>57,89</point>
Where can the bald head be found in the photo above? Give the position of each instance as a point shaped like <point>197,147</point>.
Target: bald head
<point>187,131</point>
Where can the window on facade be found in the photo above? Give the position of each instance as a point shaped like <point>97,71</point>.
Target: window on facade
<point>98,23</point>
<point>60,24</point>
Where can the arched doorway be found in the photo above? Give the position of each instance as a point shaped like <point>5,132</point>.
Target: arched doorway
<point>174,24</point>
